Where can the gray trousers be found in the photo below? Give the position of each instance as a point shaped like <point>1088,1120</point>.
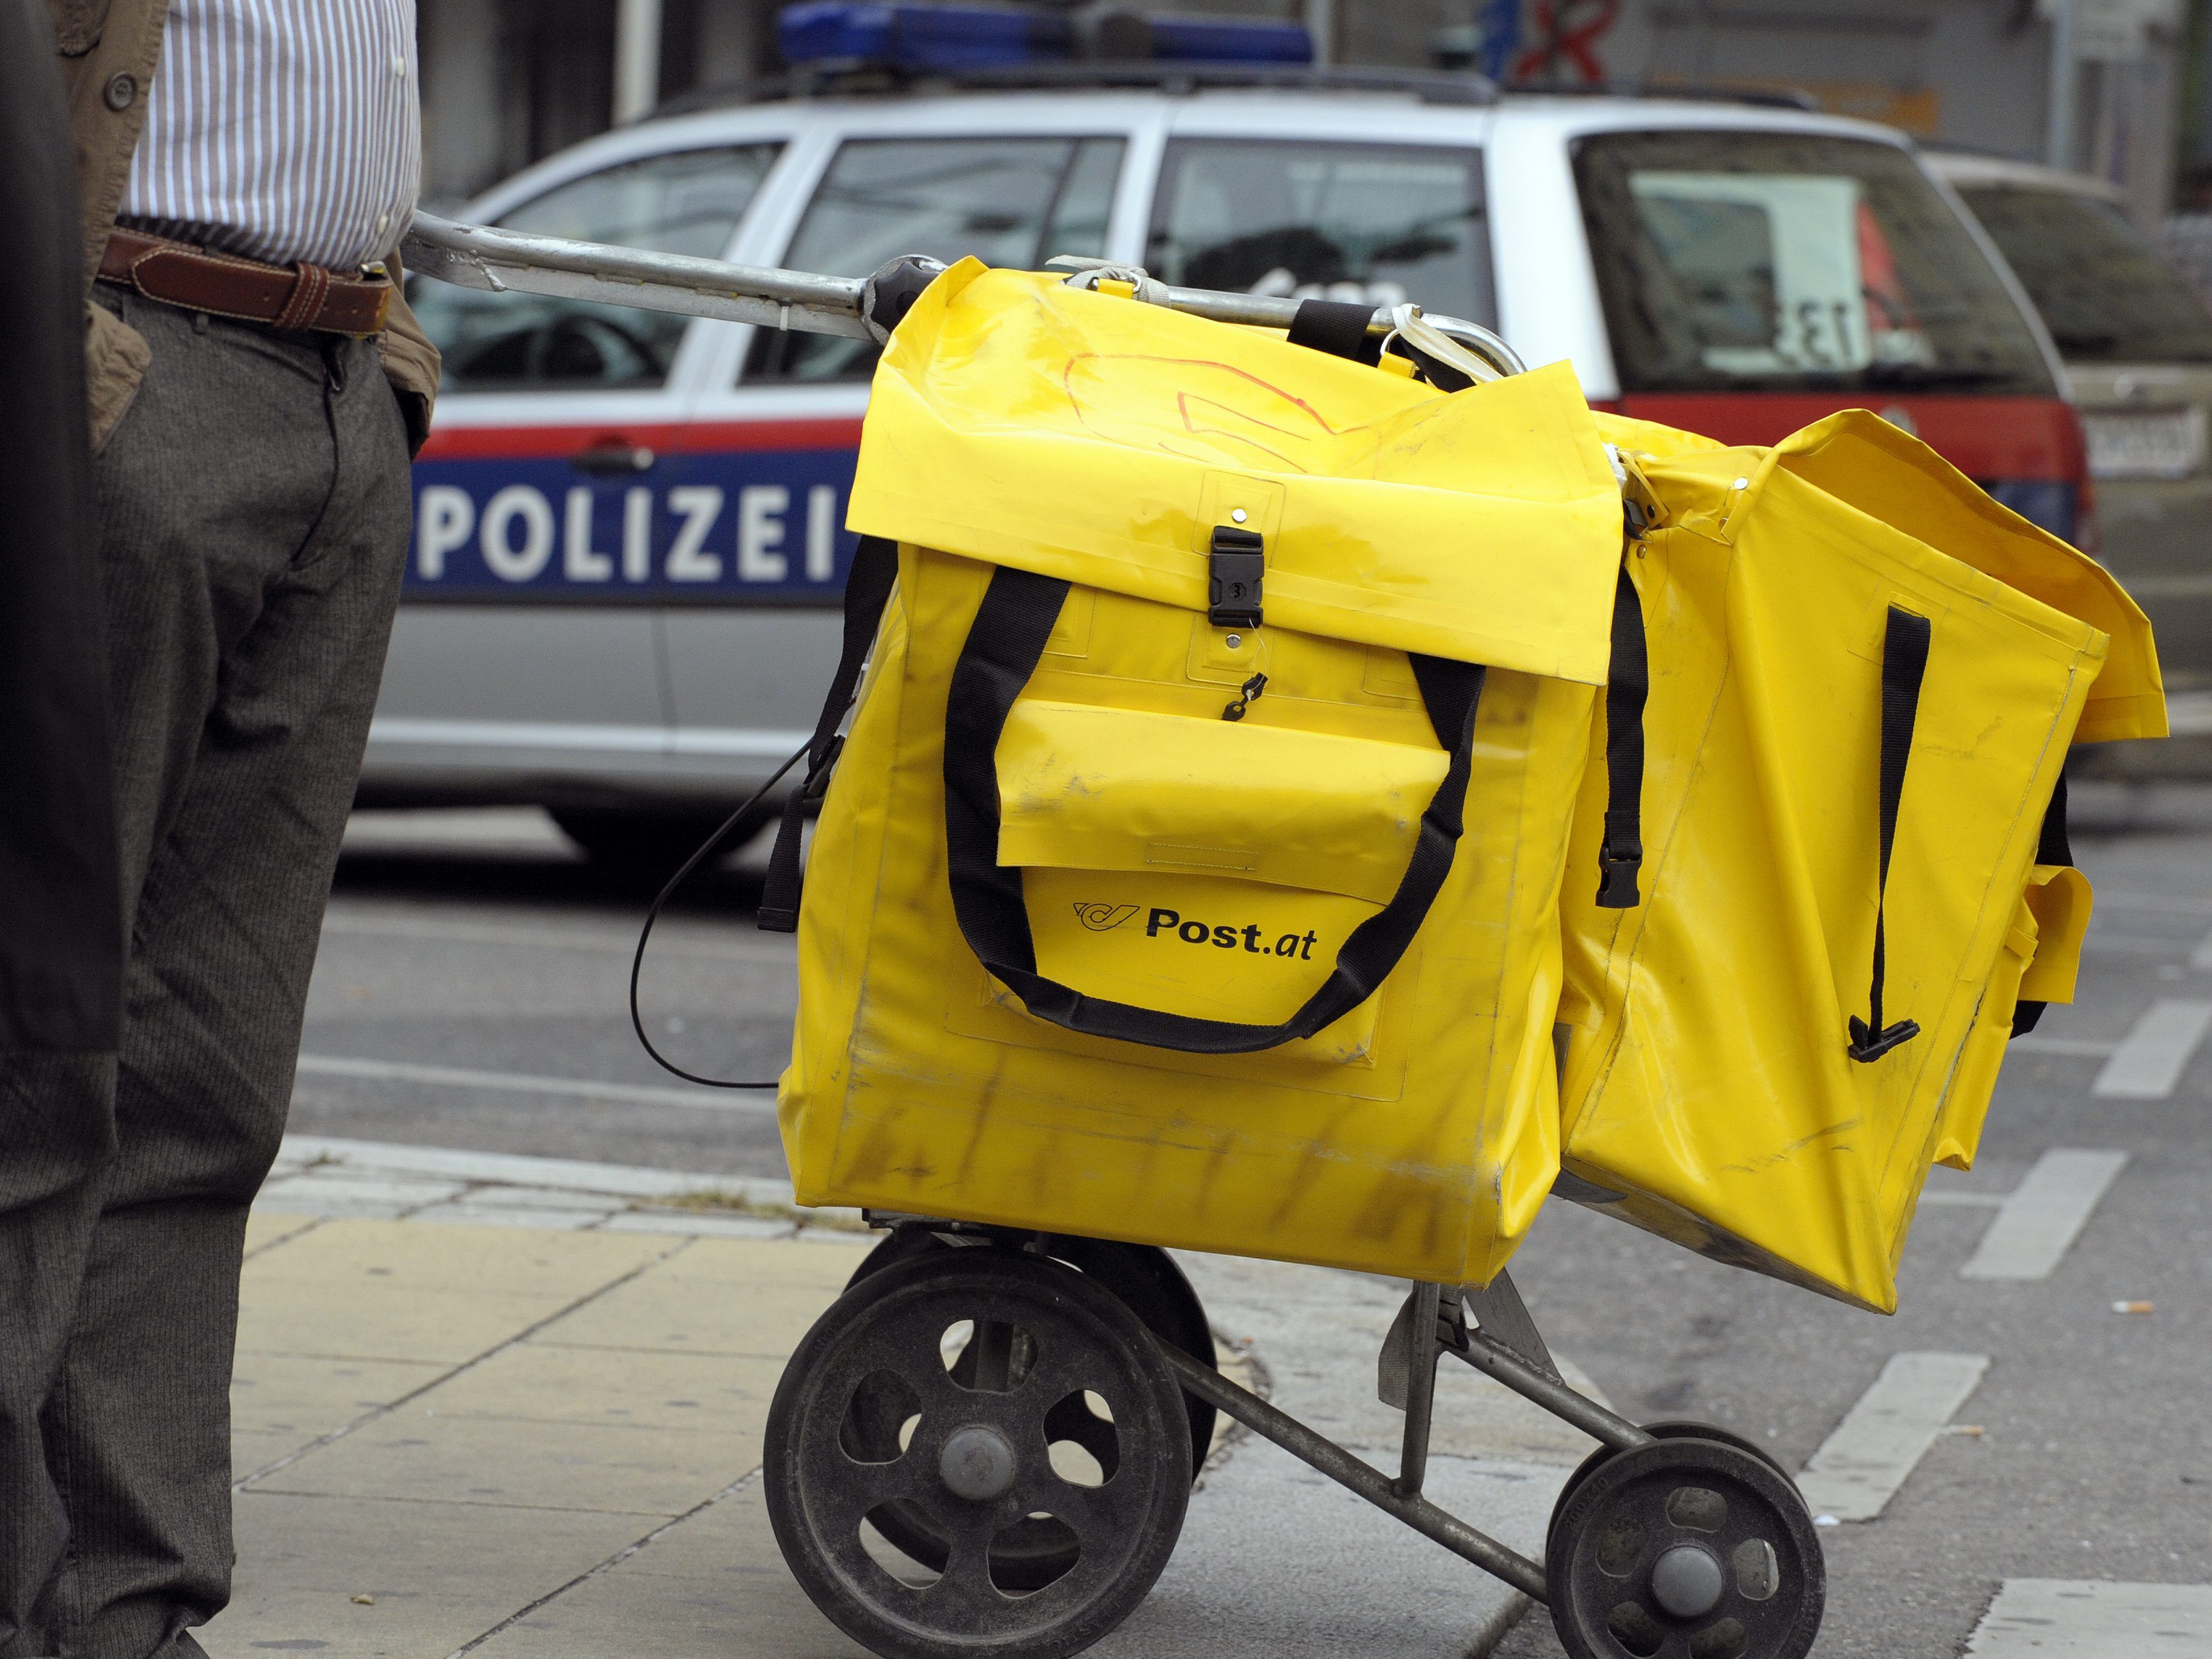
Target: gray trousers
<point>253,511</point>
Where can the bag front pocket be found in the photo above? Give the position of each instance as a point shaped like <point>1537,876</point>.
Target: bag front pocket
<point>1087,787</point>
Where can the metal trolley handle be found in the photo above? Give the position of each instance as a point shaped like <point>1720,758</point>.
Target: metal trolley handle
<point>861,308</point>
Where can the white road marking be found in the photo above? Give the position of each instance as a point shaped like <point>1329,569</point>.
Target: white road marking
<point>2189,713</point>
<point>2044,1214</point>
<point>2131,945</point>
<point>2092,1618</point>
<point>756,1102</point>
<point>2085,1048</point>
<point>622,941</point>
<point>2151,1058</point>
<point>2170,904</point>
<point>1860,1466</point>
<point>2200,957</point>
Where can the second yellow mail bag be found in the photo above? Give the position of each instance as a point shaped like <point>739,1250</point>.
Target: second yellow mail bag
<point>1806,897</point>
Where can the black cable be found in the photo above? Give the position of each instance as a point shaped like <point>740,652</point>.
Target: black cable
<point>637,961</point>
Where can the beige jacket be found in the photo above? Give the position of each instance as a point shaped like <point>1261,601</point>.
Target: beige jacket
<point>109,51</point>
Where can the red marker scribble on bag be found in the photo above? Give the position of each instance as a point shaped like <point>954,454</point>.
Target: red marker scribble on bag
<point>1205,416</point>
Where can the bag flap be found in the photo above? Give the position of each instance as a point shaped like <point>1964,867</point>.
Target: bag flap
<point>1082,787</point>
<point>2060,898</point>
<point>1648,441</point>
<point>1085,436</point>
<point>1861,458</point>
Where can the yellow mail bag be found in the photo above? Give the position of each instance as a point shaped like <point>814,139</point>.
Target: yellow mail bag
<point>1810,891</point>
<point>1190,872</point>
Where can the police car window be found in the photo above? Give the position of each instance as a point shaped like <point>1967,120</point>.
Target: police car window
<point>2106,294</point>
<point>688,202</point>
<point>1792,262</point>
<point>1013,202</point>
<point>1375,224</point>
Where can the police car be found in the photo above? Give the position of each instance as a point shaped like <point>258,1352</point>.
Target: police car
<point>629,543</point>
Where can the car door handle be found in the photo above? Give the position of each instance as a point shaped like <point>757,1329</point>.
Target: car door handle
<point>615,458</point>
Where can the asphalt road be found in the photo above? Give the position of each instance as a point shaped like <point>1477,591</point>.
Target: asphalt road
<point>466,951</point>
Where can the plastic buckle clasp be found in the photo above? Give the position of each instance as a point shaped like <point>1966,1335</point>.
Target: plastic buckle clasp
<point>1618,863</point>
<point>1868,1045</point>
<point>1237,563</point>
<point>817,777</point>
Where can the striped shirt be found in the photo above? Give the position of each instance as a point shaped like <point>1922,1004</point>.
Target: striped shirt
<point>282,130</point>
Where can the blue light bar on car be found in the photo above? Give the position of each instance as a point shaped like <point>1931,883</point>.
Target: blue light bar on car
<point>1227,40</point>
<point>838,34</point>
<point>922,38</point>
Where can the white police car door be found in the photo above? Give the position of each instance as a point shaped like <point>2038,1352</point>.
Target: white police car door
<point>554,509</point>
<point>1011,181</point>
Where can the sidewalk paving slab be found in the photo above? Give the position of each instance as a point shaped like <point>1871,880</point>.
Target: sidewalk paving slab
<point>438,1575</point>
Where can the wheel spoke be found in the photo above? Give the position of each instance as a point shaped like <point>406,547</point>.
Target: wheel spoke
<point>1065,1368</point>
<point>845,1489</point>
<point>968,1566</point>
<point>1096,1513</point>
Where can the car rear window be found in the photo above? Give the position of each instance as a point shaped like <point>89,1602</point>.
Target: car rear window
<point>1766,261</point>
<point>685,202</point>
<point>2106,294</point>
<point>1375,224</point>
<point>1010,202</point>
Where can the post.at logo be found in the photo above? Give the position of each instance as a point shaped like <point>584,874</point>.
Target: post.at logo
<point>1103,918</point>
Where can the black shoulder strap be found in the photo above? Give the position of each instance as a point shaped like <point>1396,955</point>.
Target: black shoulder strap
<point>2052,846</point>
<point>1001,653</point>
<point>1627,686</point>
<point>1338,327</point>
<point>1904,667</point>
<point>867,587</point>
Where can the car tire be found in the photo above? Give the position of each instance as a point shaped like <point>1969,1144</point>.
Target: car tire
<point>654,842</point>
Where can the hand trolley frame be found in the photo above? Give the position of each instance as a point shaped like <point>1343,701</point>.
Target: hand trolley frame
<point>924,1405</point>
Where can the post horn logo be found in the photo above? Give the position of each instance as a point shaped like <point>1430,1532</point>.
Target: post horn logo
<point>1104,918</point>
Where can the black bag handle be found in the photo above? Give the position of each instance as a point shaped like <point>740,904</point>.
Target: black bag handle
<point>1008,636</point>
<point>867,588</point>
<point>1338,327</point>
<point>1627,686</point>
<point>1904,667</point>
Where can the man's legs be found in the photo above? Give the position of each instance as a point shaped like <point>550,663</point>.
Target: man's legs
<point>253,524</point>
<point>60,928</point>
<point>56,1116</point>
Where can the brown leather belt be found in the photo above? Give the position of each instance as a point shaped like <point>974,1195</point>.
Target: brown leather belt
<point>304,296</point>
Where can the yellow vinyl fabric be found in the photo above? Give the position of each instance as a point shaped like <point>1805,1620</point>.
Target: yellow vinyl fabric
<point>2038,962</point>
<point>1709,1093</point>
<point>1031,445</point>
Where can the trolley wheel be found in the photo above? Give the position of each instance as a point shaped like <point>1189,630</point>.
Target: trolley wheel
<point>1665,1431</point>
<point>1143,1276</point>
<point>1066,1429</point>
<point>1685,1549</point>
<point>1149,1284</point>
